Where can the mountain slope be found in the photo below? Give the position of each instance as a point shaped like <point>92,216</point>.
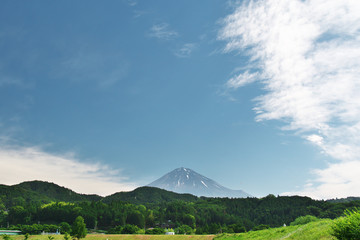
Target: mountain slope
<point>15,195</point>
<point>344,200</point>
<point>143,195</point>
<point>44,192</point>
<point>54,191</point>
<point>185,180</point>
<point>40,192</point>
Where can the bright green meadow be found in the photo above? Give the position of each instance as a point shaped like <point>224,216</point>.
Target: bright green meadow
<point>311,231</point>
<point>123,237</point>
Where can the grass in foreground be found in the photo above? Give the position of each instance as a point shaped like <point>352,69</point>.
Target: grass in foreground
<point>122,237</point>
<point>311,231</point>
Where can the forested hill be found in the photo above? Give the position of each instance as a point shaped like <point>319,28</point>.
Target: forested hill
<point>54,191</point>
<point>344,200</point>
<point>32,202</point>
<point>43,192</point>
<point>145,195</point>
<point>16,195</point>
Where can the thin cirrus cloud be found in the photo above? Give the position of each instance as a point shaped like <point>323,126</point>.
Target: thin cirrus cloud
<point>131,3</point>
<point>242,79</point>
<point>185,51</point>
<point>32,163</point>
<point>308,54</point>
<point>162,31</point>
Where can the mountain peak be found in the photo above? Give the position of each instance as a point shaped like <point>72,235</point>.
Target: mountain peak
<point>186,180</point>
<point>180,169</point>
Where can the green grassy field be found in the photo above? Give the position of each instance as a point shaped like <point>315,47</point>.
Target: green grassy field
<point>311,231</point>
<point>123,237</point>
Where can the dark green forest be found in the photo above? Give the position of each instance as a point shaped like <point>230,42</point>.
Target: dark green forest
<point>41,206</point>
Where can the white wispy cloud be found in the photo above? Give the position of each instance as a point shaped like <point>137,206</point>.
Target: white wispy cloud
<point>185,51</point>
<point>162,31</point>
<point>32,163</point>
<point>308,53</point>
<point>131,3</point>
<point>242,79</point>
<point>337,180</point>
<point>138,13</point>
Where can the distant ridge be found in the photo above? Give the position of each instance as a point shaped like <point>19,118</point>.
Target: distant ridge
<point>45,192</point>
<point>185,180</point>
<point>54,191</point>
<point>143,195</point>
<point>344,200</point>
<point>41,192</point>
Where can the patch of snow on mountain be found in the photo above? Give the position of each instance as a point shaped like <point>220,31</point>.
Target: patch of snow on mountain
<point>204,184</point>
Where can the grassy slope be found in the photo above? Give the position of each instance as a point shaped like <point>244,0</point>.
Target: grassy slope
<point>311,231</point>
<point>123,237</point>
<point>314,230</point>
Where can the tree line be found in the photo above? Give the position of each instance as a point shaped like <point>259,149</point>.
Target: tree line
<point>200,216</point>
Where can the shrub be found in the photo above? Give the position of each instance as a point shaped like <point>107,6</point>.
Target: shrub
<point>184,229</point>
<point>66,236</point>
<point>26,236</point>
<point>155,231</point>
<point>130,229</point>
<point>65,227</point>
<point>236,228</point>
<point>115,230</point>
<point>304,220</point>
<point>347,227</point>
<point>6,237</point>
<point>261,227</point>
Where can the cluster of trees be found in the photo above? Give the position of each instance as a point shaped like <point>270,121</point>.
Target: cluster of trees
<point>133,229</point>
<point>347,227</point>
<point>39,228</point>
<point>203,216</point>
<point>77,231</point>
<point>39,206</point>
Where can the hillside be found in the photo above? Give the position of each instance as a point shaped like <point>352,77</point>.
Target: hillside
<point>151,207</point>
<point>344,200</point>
<point>149,195</point>
<point>56,192</point>
<point>40,192</point>
<point>16,195</point>
<point>313,230</point>
<point>45,192</point>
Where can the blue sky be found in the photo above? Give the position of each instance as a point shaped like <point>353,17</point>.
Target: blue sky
<point>105,97</point>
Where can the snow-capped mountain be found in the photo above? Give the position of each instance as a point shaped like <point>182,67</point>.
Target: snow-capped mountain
<point>185,180</point>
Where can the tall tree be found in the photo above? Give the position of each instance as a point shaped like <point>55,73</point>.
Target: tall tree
<point>78,229</point>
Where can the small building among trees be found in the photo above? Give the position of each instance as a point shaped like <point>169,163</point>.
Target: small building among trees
<point>10,232</point>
